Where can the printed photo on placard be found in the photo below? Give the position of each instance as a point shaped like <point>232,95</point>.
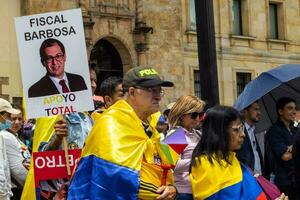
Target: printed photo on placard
<point>54,65</point>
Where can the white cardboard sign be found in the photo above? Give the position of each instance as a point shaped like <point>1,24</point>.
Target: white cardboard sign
<point>52,48</point>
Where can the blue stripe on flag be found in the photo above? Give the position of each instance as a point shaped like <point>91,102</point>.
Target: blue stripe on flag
<point>247,189</point>
<point>96,178</point>
<point>37,193</point>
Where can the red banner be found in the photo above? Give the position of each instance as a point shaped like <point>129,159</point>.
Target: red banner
<point>52,164</point>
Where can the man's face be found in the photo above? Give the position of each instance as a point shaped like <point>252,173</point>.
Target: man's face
<point>117,95</point>
<point>253,113</point>
<point>93,78</point>
<point>148,99</point>
<point>288,113</point>
<point>55,61</point>
<point>17,122</point>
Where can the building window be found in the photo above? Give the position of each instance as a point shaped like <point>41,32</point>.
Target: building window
<point>197,89</point>
<point>192,16</point>
<point>237,17</point>
<point>273,14</point>
<point>241,81</point>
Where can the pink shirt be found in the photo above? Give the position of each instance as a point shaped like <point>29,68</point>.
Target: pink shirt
<point>181,171</point>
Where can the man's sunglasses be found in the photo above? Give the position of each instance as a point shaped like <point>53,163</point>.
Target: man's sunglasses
<point>195,115</point>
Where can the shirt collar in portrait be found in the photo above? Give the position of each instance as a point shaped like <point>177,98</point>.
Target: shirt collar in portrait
<point>56,82</point>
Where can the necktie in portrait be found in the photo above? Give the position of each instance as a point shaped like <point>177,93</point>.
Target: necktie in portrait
<point>64,86</point>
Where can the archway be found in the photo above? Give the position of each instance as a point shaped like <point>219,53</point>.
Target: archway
<point>110,57</point>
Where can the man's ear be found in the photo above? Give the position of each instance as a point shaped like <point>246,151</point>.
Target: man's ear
<point>131,91</point>
<point>279,112</point>
<point>108,100</point>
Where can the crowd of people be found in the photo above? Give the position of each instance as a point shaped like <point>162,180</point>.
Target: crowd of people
<point>124,155</point>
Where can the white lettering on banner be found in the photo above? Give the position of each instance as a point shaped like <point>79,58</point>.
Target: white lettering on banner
<point>36,163</point>
<point>50,162</point>
<point>53,161</point>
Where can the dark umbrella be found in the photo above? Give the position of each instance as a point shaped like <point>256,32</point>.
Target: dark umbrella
<point>267,88</point>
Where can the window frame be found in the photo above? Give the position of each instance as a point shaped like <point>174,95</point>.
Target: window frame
<point>189,16</point>
<point>246,19</point>
<point>281,20</point>
<point>244,82</point>
<point>240,18</point>
<point>236,70</point>
<point>275,25</point>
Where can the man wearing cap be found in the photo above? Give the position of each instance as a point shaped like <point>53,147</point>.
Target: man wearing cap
<point>122,157</point>
<point>17,170</point>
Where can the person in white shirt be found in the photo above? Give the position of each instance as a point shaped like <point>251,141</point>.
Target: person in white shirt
<point>15,161</point>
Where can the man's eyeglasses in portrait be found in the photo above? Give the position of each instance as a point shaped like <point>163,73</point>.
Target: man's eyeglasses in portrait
<point>57,58</point>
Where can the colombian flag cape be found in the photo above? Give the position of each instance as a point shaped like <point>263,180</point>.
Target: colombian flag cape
<point>117,161</point>
<point>226,182</point>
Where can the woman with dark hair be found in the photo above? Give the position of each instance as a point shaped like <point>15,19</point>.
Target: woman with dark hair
<point>215,171</point>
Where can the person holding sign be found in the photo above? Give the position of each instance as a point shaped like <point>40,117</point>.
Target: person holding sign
<point>56,80</point>
<point>75,127</point>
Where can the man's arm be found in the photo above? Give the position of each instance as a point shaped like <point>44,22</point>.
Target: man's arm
<point>280,149</point>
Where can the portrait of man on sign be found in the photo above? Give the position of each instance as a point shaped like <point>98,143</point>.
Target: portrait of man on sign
<point>56,80</point>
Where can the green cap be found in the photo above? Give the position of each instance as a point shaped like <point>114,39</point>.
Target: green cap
<point>146,77</point>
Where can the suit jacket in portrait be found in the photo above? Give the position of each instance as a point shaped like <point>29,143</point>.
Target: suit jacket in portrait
<point>45,86</point>
<point>245,153</point>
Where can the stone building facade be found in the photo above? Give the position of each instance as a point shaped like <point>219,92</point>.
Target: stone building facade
<point>161,33</point>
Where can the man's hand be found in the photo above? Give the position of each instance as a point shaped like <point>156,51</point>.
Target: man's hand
<point>282,197</point>
<point>61,128</point>
<point>62,192</point>
<point>290,149</point>
<point>167,193</point>
<point>288,154</point>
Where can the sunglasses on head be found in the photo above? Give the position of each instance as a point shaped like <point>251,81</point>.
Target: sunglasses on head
<point>195,115</point>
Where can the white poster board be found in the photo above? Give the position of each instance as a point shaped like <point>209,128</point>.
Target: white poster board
<point>41,40</point>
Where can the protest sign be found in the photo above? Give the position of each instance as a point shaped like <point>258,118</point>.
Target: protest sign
<point>54,64</point>
<point>51,165</point>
